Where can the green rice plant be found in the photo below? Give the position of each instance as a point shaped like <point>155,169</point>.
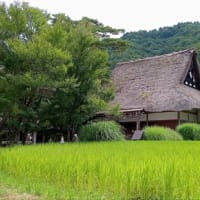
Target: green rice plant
<point>104,170</point>
<point>160,133</point>
<point>189,131</point>
<point>101,131</point>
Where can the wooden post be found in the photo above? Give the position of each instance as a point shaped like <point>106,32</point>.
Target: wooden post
<point>147,119</point>
<point>138,120</point>
<point>34,137</point>
<point>179,121</point>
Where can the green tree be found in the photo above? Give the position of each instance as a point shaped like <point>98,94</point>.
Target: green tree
<point>55,71</point>
<point>32,69</point>
<point>92,88</point>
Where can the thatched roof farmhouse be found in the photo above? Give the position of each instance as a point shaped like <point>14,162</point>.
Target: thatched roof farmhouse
<point>164,89</point>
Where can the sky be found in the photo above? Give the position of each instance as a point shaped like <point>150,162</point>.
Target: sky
<point>131,15</point>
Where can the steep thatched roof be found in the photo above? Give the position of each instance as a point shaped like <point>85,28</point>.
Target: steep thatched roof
<point>157,83</point>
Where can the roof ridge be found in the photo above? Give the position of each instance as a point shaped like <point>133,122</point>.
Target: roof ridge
<point>191,50</point>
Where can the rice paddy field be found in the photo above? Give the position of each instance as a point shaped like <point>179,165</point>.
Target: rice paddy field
<point>106,170</point>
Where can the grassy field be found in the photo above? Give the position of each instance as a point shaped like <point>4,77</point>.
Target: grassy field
<point>105,170</point>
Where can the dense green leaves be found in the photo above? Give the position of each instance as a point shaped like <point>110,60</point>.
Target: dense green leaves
<point>53,71</point>
<point>20,20</point>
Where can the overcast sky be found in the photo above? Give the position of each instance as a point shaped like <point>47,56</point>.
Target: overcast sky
<point>131,15</point>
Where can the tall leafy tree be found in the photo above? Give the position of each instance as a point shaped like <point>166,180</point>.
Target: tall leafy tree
<point>54,71</point>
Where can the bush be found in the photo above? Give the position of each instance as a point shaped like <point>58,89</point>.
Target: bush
<point>189,131</point>
<point>160,133</point>
<point>101,131</point>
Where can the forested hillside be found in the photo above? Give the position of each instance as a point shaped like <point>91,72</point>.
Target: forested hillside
<point>161,41</point>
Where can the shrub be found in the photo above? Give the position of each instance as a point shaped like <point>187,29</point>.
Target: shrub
<point>189,131</point>
<point>101,131</point>
<point>160,133</point>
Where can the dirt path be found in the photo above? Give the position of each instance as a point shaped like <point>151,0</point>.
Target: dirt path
<point>9,194</point>
<point>18,197</point>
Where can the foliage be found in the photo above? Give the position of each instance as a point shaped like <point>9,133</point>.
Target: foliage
<point>189,131</point>
<point>101,131</point>
<point>54,72</point>
<point>105,170</point>
<point>157,42</point>
<point>160,133</point>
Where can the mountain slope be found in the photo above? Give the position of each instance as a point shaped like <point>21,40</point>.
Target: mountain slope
<point>161,41</point>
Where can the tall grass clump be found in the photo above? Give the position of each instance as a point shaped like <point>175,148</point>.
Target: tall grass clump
<point>101,131</point>
<point>160,133</point>
<point>189,131</point>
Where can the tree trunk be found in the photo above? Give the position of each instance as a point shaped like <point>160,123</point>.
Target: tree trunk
<point>43,138</point>
<point>17,137</point>
<point>68,136</point>
<point>34,137</point>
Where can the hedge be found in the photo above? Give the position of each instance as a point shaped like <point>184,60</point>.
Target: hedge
<point>189,131</point>
<point>160,133</point>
